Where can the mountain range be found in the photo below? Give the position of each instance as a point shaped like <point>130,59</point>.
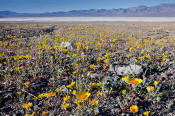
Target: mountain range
<point>162,10</point>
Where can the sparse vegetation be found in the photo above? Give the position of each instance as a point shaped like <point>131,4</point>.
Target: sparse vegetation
<point>86,69</point>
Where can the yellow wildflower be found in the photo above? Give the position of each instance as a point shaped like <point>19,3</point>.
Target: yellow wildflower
<point>134,81</point>
<point>71,85</point>
<point>19,93</point>
<point>77,102</point>
<point>45,112</point>
<point>132,48</point>
<point>106,60</point>
<point>58,90</point>
<point>165,56</point>
<point>123,91</point>
<point>92,66</point>
<point>28,56</point>
<point>125,78</point>
<point>74,55</point>
<point>107,54</point>
<point>27,115</point>
<point>84,69</point>
<point>150,88</point>
<point>99,58</point>
<point>82,95</point>
<point>141,57</point>
<point>27,106</point>
<point>94,102</point>
<point>75,71</point>
<point>41,95</point>
<point>27,83</point>
<point>64,106</point>
<point>34,114</point>
<point>134,108</point>
<point>35,98</point>
<point>99,93</point>
<point>156,83</point>
<point>95,84</point>
<point>89,73</point>
<point>147,56</point>
<point>146,113</point>
<point>83,56</point>
<point>66,98</point>
<point>74,92</point>
<point>50,94</point>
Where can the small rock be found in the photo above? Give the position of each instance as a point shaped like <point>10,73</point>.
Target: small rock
<point>112,68</point>
<point>164,75</point>
<point>108,79</point>
<point>95,76</point>
<point>65,44</point>
<point>124,70</point>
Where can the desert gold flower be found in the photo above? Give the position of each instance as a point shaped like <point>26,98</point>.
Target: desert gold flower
<point>35,98</point>
<point>141,57</point>
<point>18,68</point>
<point>147,56</point>
<point>27,115</point>
<point>82,95</point>
<point>134,108</point>
<point>66,98</point>
<point>41,95</point>
<point>27,105</point>
<point>74,92</point>
<point>99,93</point>
<point>95,84</point>
<point>58,90</point>
<point>45,112</point>
<point>146,113</point>
<point>84,69</point>
<point>27,83</point>
<point>50,94</point>
<point>94,102</point>
<point>135,81</point>
<point>132,48</point>
<point>75,71</point>
<point>64,106</point>
<point>83,56</point>
<point>89,74</point>
<point>74,55</point>
<point>165,56</point>
<point>19,93</point>
<point>125,78</point>
<point>124,91</point>
<point>150,88</point>
<point>156,83</point>
<point>92,66</point>
<point>106,60</point>
<point>77,102</point>
<point>128,55</point>
<point>99,58</point>
<point>28,56</point>
<point>71,85</point>
<point>107,54</point>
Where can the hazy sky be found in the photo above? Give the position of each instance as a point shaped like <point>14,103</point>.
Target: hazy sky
<point>37,6</point>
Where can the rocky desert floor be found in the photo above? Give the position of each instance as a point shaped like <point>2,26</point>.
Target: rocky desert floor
<point>97,68</point>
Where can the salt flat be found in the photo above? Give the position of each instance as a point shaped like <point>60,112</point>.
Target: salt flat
<point>88,19</point>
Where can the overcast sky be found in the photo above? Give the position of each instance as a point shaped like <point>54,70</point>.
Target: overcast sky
<point>38,6</point>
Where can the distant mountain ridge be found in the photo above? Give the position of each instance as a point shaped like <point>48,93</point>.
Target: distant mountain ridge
<point>162,10</point>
